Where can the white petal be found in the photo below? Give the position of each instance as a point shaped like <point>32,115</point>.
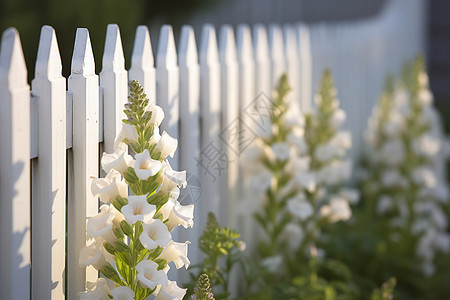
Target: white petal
<point>128,132</point>
<point>138,209</point>
<point>176,253</point>
<point>149,276</point>
<point>171,292</point>
<point>167,145</point>
<point>120,160</point>
<point>145,166</point>
<point>155,234</point>
<point>122,293</point>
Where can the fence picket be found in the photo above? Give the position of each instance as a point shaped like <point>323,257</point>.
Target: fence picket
<point>276,52</point>
<point>210,122</point>
<point>305,55</point>
<point>230,120</point>
<point>189,140</point>
<point>262,63</point>
<point>142,63</point>
<point>113,81</point>
<point>83,85</point>
<point>292,62</point>
<point>14,170</point>
<point>167,84</point>
<point>49,173</point>
<point>247,95</point>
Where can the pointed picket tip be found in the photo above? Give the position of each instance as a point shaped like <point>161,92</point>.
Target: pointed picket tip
<point>83,58</point>
<point>208,45</point>
<point>260,43</point>
<point>227,45</point>
<point>12,62</point>
<point>167,53</point>
<point>142,56</point>
<point>290,41</point>
<point>188,49</point>
<point>244,43</point>
<point>48,61</point>
<point>275,41</point>
<point>113,58</point>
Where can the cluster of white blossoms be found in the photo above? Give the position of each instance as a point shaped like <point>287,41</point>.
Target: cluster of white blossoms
<point>323,169</point>
<point>299,168</point>
<point>406,154</point>
<point>130,241</point>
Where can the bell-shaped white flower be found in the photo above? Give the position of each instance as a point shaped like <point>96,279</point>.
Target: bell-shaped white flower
<point>101,225</point>
<point>171,292</point>
<point>384,204</point>
<point>167,145</point>
<point>122,293</point>
<point>157,114</point>
<point>178,214</point>
<point>272,263</point>
<point>98,290</point>
<point>176,253</point>
<point>338,118</point>
<point>293,235</point>
<point>155,137</point>
<point>262,181</point>
<point>281,151</point>
<point>351,195</point>
<point>171,180</point>
<point>128,133</point>
<point>155,234</point>
<point>94,255</point>
<point>426,145</point>
<point>145,166</point>
<point>296,138</point>
<point>109,187</point>
<point>337,210</point>
<point>306,180</point>
<point>149,276</point>
<point>325,152</point>
<point>120,160</point>
<point>138,209</point>
<point>300,207</point>
<point>342,141</point>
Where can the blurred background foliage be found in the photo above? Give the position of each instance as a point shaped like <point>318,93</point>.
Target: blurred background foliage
<point>29,16</point>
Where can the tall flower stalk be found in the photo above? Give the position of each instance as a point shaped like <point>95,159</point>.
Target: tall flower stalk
<point>130,241</point>
<point>405,182</point>
<point>270,159</point>
<point>323,198</point>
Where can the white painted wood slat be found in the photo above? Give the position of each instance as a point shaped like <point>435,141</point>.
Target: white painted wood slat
<point>305,67</point>
<point>211,157</point>
<point>276,52</point>
<point>114,84</point>
<point>142,63</point>
<point>229,122</point>
<point>246,70</point>
<point>263,76</point>
<point>49,173</point>
<point>167,85</point>
<point>189,141</point>
<point>292,62</point>
<point>14,170</point>
<point>83,85</point>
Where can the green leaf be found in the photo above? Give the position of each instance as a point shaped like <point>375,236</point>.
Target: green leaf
<point>126,228</point>
<point>111,273</point>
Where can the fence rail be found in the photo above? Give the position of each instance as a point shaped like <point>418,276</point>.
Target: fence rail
<point>204,95</point>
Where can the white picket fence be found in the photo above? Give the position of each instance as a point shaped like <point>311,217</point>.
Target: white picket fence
<point>45,190</point>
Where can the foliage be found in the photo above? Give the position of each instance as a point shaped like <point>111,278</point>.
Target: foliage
<point>203,289</point>
<point>221,248</point>
<point>130,240</point>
